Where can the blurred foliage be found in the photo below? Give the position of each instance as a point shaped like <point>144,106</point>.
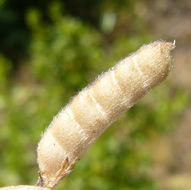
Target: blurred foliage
<point>49,51</point>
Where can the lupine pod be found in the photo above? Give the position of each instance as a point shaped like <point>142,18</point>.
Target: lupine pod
<point>24,187</point>
<point>93,109</point>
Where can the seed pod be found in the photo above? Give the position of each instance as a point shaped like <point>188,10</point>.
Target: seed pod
<point>23,187</point>
<point>93,109</point>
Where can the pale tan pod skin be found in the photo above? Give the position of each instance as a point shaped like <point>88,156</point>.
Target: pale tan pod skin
<point>91,111</point>
<point>24,187</point>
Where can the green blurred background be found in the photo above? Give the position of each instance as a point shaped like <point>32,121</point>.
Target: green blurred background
<point>51,49</point>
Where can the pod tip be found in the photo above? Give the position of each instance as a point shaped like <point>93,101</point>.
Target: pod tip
<point>174,44</point>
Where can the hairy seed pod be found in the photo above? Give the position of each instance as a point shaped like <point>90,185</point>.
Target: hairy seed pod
<point>23,187</point>
<point>93,109</point>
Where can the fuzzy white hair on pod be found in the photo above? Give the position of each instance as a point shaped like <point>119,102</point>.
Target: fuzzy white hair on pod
<point>93,109</point>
